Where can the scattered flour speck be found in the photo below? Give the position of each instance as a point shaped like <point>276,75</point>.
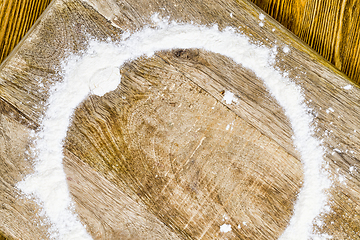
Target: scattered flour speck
<point>225,228</point>
<point>330,109</point>
<point>286,49</point>
<point>347,87</point>
<point>229,97</point>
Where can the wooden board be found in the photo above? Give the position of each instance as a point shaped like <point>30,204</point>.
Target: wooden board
<point>17,17</point>
<point>332,28</point>
<point>154,159</point>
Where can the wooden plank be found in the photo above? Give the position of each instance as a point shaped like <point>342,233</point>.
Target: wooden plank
<point>17,17</point>
<point>161,159</point>
<point>330,27</point>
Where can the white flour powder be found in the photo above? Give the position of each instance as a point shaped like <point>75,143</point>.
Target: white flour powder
<point>97,72</point>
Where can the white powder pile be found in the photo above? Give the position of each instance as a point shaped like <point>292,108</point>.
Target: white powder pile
<point>97,72</point>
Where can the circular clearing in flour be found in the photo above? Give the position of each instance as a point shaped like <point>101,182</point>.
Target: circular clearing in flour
<point>97,72</point>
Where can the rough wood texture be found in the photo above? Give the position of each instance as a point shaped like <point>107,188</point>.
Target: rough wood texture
<point>15,212</point>
<point>16,18</point>
<point>154,158</point>
<point>331,27</point>
<point>167,143</point>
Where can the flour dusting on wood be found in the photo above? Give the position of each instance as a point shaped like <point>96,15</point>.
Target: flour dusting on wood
<point>97,72</point>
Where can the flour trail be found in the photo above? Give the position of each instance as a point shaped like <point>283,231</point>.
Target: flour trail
<point>97,72</point>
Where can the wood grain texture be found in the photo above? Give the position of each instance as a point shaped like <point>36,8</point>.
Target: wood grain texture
<point>167,143</point>
<point>331,27</point>
<point>154,158</point>
<point>16,18</point>
<point>15,210</point>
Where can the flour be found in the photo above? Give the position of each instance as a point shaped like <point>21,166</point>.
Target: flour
<point>97,72</point>
<point>225,228</point>
<point>286,49</point>
<point>330,109</point>
<point>229,97</point>
<point>261,17</point>
<point>347,87</point>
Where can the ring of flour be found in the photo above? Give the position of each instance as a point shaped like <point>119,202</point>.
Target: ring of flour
<point>97,72</point>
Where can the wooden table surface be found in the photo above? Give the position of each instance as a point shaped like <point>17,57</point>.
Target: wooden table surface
<point>132,174</point>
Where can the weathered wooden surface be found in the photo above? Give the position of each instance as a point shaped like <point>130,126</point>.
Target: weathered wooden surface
<point>332,28</point>
<point>16,18</point>
<point>176,132</point>
<point>154,159</point>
